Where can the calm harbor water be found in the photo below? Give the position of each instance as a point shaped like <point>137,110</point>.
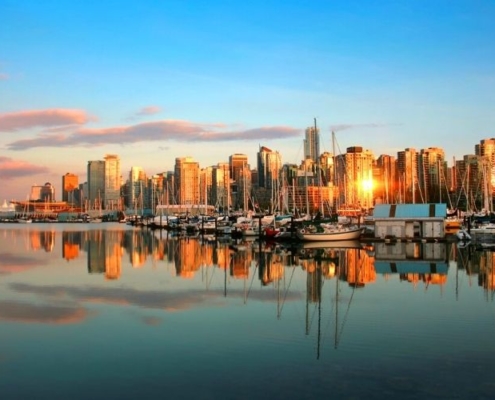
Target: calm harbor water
<point>107,311</point>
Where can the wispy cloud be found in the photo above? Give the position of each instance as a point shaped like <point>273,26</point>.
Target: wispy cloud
<point>176,130</point>
<point>3,76</point>
<point>343,127</point>
<point>149,299</point>
<point>29,313</point>
<point>10,169</point>
<point>11,122</point>
<point>11,263</point>
<point>149,110</point>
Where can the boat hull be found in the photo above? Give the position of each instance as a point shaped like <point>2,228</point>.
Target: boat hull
<point>337,234</point>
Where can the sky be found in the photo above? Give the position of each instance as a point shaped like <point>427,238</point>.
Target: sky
<point>151,81</point>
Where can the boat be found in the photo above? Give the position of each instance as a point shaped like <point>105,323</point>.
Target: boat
<point>332,244</point>
<point>329,232</point>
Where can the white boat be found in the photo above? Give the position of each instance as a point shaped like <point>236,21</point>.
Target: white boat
<point>329,232</point>
<point>333,244</point>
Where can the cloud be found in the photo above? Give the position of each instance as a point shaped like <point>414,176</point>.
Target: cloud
<point>176,130</point>
<point>29,313</point>
<point>11,263</point>
<point>343,127</point>
<point>149,110</point>
<point>11,122</point>
<point>149,299</point>
<point>11,169</point>
<point>3,77</point>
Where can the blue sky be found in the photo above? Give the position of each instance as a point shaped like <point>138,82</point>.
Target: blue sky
<point>155,80</point>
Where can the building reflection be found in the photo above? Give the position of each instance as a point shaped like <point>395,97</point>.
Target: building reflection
<point>44,240</point>
<point>414,262</point>
<point>357,264</point>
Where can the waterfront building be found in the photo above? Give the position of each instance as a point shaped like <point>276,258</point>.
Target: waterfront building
<point>432,172</point>
<point>47,193</point>
<point>135,188</point>
<point>486,149</point>
<point>113,181</point>
<point>70,184</point>
<point>407,171</point>
<point>205,185</point>
<point>237,163</point>
<point>327,168</point>
<point>312,143</point>
<point>269,165</point>
<point>471,183</point>
<point>221,186</point>
<point>240,187</point>
<point>354,172</point>
<point>35,194</point>
<point>385,179</point>
<point>96,184</point>
<point>187,179</point>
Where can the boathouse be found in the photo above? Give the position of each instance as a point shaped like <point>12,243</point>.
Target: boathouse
<point>409,221</point>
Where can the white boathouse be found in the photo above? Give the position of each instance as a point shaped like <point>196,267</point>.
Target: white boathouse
<point>409,221</point>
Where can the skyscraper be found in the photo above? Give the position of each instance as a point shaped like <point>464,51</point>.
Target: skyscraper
<point>407,170</point>
<point>431,173</point>
<point>269,165</point>
<point>187,180</point>
<point>355,178</point>
<point>70,183</point>
<point>135,188</point>
<point>486,149</point>
<point>112,181</point>
<point>96,184</point>
<point>312,143</point>
<point>221,186</point>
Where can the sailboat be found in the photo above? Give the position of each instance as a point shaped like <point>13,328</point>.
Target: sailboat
<point>25,218</point>
<point>329,231</point>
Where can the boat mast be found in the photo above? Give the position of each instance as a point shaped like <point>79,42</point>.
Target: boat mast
<point>318,171</point>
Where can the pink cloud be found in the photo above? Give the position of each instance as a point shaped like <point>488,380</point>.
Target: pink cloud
<point>29,313</point>
<point>177,130</point>
<point>3,77</point>
<point>11,122</point>
<point>149,110</point>
<point>10,169</point>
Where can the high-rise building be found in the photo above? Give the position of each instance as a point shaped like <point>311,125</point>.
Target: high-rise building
<point>205,185</point>
<point>70,183</point>
<point>113,180</point>
<point>432,173</point>
<point>135,188</point>
<point>354,177</point>
<point>470,181</point>
<point>221,186</point>
<point>237,162</point>
<point>385,180</point>
<point>96,184</point>
<point>47,193</point>
<point>486,149</point>
<point>269,165</point>
<point>187,180</point>
<point>312,143</point>
<point>35,193</point>
<point>407,175</point>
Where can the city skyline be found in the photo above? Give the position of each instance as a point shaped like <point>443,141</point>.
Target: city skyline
<point>156,81</point>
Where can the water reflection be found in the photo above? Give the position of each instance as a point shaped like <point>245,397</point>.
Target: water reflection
<point>383,315</point>
<point>356,263</point>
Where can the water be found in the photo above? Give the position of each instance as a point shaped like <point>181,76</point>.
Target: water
<point>106,311</point>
